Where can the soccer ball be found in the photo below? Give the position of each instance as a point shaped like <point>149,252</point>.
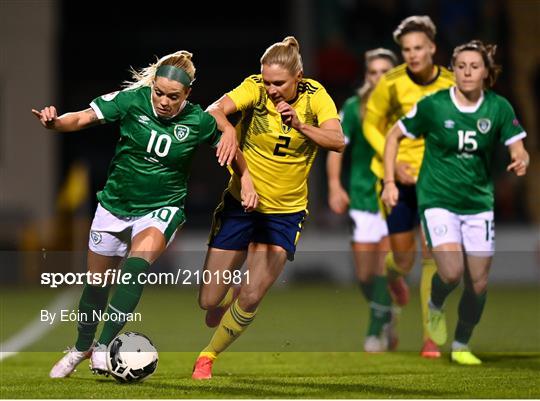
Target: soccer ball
<point>131,357</point>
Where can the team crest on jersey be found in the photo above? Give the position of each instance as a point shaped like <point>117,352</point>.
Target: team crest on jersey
<point>181,132</point>
<point>95,236</point>
<point>109,96</point>
<point>483,125</point>
<point>285,128</point>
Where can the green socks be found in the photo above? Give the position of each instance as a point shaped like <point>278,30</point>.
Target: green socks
<point>367,289</point>
<point>380,306</point>
<point>93,299</point>
<point>440,290</point>
<point>125,298</point>
<point>470,311</point>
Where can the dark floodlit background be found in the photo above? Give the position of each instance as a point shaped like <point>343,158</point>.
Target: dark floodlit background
<point>66,53</point>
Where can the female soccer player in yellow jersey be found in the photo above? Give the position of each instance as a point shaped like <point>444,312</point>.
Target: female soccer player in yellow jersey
<point>285,118</point>
<point>461,127</point>
<point>369,233</point>
<point>395,94</point>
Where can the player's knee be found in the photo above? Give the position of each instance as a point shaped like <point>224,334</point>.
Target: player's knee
<point>479,287</point>
<point>451,275</point>
<point>250,299</point>
<point>450,270</point>
<point>404,261</point>
<point>207,301</point>
<point>364,276</point>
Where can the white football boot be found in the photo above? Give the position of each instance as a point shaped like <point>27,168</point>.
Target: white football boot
<point>98,361</point>
<point>374,344</point>
<point>67,365</point>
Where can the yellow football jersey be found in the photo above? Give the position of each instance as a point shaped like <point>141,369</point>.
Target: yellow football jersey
<point>395,94</point>
<point>279,157</point>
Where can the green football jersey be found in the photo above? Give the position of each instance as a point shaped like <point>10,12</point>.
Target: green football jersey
<point>456,172</point>
<point>152,160</point>
<point>362,182</point>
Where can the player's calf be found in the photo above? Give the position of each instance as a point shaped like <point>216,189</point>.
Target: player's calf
<point>399,290</point>
<point>214,316</point>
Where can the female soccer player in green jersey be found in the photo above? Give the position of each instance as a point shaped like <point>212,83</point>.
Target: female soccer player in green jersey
<point>461,127</point>
<point>395,94</point>
<point>142,205</point>
<point>370,233</point>
<point>285,118</point>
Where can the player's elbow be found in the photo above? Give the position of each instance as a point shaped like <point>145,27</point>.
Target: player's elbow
<point>340,147</point>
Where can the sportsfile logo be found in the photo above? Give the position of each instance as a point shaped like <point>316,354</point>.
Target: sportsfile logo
<point>113,276</point>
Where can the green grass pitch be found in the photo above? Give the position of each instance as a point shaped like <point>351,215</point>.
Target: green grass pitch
<point>309,337</point>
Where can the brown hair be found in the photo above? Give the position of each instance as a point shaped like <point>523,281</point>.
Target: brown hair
<point>487,52</point>
<point>366,89</point>
<point>145,77</point>
<point>286,54</point>
<point>415,23</point>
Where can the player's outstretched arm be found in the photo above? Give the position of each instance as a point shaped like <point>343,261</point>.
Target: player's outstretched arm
<point>68,122</point>
<point>226,149</point>
<point>390,192</point>
<point>520,158</point>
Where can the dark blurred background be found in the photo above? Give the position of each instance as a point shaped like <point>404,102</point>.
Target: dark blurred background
<point>66,53</point>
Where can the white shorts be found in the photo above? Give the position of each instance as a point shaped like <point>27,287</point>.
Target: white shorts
<point>111,235</point>
<point>367,227</point>
<point>475,232</point>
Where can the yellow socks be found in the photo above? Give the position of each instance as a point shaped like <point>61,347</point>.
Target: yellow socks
<point>227,299</point>
<point>234,322</point>
<point>392,270</point>
<point>429,268</point>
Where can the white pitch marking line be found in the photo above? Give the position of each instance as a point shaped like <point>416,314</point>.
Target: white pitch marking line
<point>35,329</point>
